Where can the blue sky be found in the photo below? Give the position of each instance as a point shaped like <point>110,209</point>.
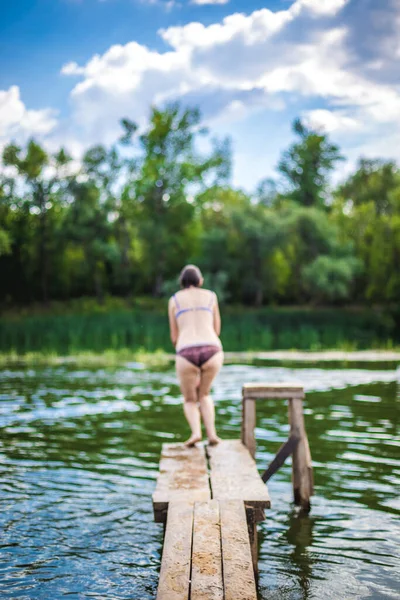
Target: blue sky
<point>70,69</point>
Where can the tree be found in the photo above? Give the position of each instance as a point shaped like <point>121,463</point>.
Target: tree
<point>217,254</point>
<point>367,209</point>
<point>323,264</point>
<point>260,232</point>
<point>306,166</point>
<point>374,181</point>
<point>267,192</point>
<point>41,174</point>
<point>171,171</point>
<point>109,171</point>
<point>376,240</point>
<point>239,240</point>
<point>88,226</point>
<point>6,190</point>
<point>329,278</point>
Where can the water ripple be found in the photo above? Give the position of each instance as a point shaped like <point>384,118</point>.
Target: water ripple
<point>79,455</point>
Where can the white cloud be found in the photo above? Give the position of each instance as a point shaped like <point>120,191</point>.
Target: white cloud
<point>331,121</point>
<point>235,66</point>
<point>320,7</point>
<point>17,122</point>
<point>72,68</point>
<point>256,28</point>
<point>231,68</point>
<point>210,1</point>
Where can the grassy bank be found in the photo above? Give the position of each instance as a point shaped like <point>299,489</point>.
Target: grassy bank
<point>108,358</point>
<point>145,330</point>
<point>160,359</point>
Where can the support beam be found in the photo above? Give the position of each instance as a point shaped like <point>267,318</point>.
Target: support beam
<point>248,425</point>
<point>297,444</point>
<point>283,453</point>
<point>253,537</point>
<point>263,391</point>
<point>301,463</point>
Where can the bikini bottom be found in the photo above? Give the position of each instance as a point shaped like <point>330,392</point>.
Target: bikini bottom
<point>198,355</point>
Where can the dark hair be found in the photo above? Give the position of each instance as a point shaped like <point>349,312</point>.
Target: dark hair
<point>190,275</point>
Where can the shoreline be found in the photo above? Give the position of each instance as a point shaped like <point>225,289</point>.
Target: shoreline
<point>318,356</point>
<point>163,359</point>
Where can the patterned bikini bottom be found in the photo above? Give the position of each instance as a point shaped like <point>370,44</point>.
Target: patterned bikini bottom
<point>199,355</point>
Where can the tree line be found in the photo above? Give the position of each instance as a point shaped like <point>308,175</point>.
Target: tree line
<point>126,218</point>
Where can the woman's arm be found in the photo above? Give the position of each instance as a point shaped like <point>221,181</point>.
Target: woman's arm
<point>217,317</point>
<point>173,327</point>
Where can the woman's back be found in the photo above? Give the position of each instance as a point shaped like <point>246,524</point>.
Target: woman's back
<point>195,325</point>
<point>195,311</point>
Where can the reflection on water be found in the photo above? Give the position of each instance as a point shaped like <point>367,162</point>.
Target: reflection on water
<point>79,455</point>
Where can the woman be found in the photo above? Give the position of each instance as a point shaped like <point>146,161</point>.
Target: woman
<point>195,326</point>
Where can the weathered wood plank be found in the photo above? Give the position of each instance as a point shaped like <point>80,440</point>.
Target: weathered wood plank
<point>248,425</point>
<point>207,581</point>
<point>234,476</point>
<point>239,582</point>
<point>283,453</point>
<point>309,465</point>
<point>174,583</point>
<point>183,477</point>
<point>279,390</point>
<point>301,463</point>
<point>253,537</point>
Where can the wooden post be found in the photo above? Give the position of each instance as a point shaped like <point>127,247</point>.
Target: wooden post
<point>252,529</point>
<point>297,444</point>
<point>249,423</point>
<point>301,460</point>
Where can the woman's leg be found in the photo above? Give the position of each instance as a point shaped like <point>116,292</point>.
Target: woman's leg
<point>208,373</point>
<point>188,375</point>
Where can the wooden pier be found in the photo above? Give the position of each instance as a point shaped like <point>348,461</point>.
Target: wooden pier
<point>210,500</point>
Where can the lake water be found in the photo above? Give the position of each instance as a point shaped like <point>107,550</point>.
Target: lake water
<point>79,452</point>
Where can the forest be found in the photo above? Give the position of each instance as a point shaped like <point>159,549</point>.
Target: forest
<point>124,220</point>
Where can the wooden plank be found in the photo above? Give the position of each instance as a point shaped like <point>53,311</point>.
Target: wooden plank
<point>234,476</point>
<point>239,582</point>
<point>174,583</point>
<point>183,477</point>
<point>278,390</point>
<point>248,425</point>
<point>283,453</point>
<point>309,465</point>
<point>301,461</point>
<point>207,581</point>
<point>253,537</point>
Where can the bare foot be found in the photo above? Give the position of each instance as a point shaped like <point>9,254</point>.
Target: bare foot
<point>214,441</point>
<point>192,441</point>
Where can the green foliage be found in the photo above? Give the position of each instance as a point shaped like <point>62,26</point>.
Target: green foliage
<point>367,209</point>
<point>329,278</point>
<point>126,221</point>
<point>315,264</point>
<point>87,227</point>
<point>374,181</point>
<point>307,164</point>
<point>5,243</point>
<point>141,328</point>
<point>31,165</point>
<point>43,200</point>
<point>169,166</point>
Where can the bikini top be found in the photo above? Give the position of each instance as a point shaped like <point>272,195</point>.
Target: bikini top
<point>180,310</point>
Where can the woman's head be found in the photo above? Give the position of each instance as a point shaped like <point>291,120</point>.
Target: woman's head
<point>191,276</point>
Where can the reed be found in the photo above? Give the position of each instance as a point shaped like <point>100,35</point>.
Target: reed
<point>243,330</point>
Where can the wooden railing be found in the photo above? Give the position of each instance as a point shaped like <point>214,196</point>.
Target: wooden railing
<point>297,443</point>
